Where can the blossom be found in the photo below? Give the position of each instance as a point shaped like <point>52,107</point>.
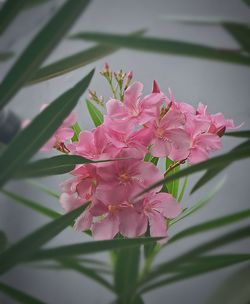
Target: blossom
<point>134,108</point>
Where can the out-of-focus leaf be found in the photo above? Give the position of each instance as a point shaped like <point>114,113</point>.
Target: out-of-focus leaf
<point>31,3</point>
<point>165,46</point>
<point>5,56</point>
<point>200,266</point>
<point>75,61</point>
<point>90,248</point>
<point>18,295</point>
<point>77,130</point>
<point>31,138</point>
<point>8,12</point>
<point>223,159</point>
<point>95,114</point>
<point>243,134</point>
<point>241,34</point>
<point>3,241</point>
<point>183,189</point>
<point>172,266</point>
<point>26,247</point>
<point>55,165</point>
<point>126,273</point>
<point>234,290</point>
<point>44,189</point>
<point>39,48</point>
<point>213,224</point>
<point>247,2</point>
<point>211,173</point>
<point>31,204</point>
<point>200,204</point>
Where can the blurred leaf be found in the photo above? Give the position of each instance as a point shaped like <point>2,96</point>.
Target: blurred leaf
<point>172,187</point>
<point>234,290</point>
<point>241,33</point>
<point>26,247</point>
<point>126,273</point>
<point>39,48</point>
<point>31,3</point>
<point>77,130</point>
<point>213,224</point>
<point>174,264</point>
<point>244,134</point>
<point>201,265</point>
<point>200,204</point>
<point>211,173</point>
<point>18,295</point>
<point>31,204</point>
<point>226,158</point>
<point>27,142</point>
<point>5,56</point>
<point>183,189</point>
<point>3,241</point>
<point>86,271</point>
<point>247,2</point>
<point>55,165</point>
<point>165,46</point>
<point>75,61</point>
<point>95,114</point>
<point>90,248</point>
<point>44,189</point>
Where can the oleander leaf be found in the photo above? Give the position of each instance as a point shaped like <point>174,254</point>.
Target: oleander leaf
<point>3,241</point>
<point>39,48</point>
<point>5,56</point>
<point>243,134</point>
<point>31,138</point>
<point>77,130</point>
<point>18,295</point>
<point>95,114</point>
<point>23,249</point>
<point>165,46</point>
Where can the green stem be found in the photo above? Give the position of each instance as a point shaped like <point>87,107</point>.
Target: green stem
<point>183,189</point>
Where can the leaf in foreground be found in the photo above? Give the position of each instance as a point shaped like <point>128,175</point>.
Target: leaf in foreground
<point>31,138</point>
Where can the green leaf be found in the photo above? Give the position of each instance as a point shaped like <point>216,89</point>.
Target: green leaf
<point>183,189</point>
<point>95,114</point>
<point>244,134</point>
<point>5,56</point>
<point>39,48</point>
<point>75,61</point>
<point>32,3</point>
<point>165,46</point>
<point>211,173</point>
<point>77,130</point>
<point>3,241</point>
<point>240,32</point>
<point>32,205</point>
<point>90,248</point>
<point>171,266</point>
<point>18,295</point>
<point>26,247</point>
<point>247,2</point>
<point>31,139</point>
<point>172,187</point>
<point>226,158</point>
<point>213,224</point>
<point>126,273</point>
<point>55,165</point>
<point>200,204</point>
<point>44,189</point>
<point>200,266</point>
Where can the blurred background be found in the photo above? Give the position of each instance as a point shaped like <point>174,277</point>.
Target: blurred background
<point>223,86</point>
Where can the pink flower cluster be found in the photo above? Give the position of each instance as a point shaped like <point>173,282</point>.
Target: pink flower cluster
<point>139,125</point>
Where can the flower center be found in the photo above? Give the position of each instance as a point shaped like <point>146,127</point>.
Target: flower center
<point>159,132</point>
<point>124,177</point>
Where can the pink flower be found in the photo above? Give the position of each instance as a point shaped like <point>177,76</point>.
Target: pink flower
<point>168,136</point>
<point>134,108</point>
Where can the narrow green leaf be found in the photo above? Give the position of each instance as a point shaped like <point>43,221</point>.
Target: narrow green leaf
<point>247,2</point>
<point>5,56</point>
<point>165,46</point>
<point>27,142</point>
<point>126,272</point>
<point>18,295</point>
<point>171,266</point>
<point>200,204</point>
<point>31,204</point>
<point>90,248</point>
<point>8,12</point>
<point>95,114</point>
<point>200,266</point>
<point>183,189</point>
<point>32,3</point>
<point>3,241</point>
<point>226,158</point>
<point>240,32</point>
<point>244,134</point>
<point>211,173</point>
<point>213,224</point>
<point>77,130</point>
<point>75,61</point>
<point>44,189</point>
<point>26,247</point>
<point>39,48</point>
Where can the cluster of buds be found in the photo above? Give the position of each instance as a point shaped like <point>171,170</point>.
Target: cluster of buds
<point>93,96</point>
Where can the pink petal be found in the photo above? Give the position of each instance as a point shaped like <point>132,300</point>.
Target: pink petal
<point>70,201</point>
<point>116,109</point>
<point>107,228</point>
<point>197,155</point>
<point>63,134</point>
<point>167,205</point>
<point>160,148</point>
<point>84,221</point>
<point>157,224</point>
<point>132,223</point>
<point>132,94</point>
